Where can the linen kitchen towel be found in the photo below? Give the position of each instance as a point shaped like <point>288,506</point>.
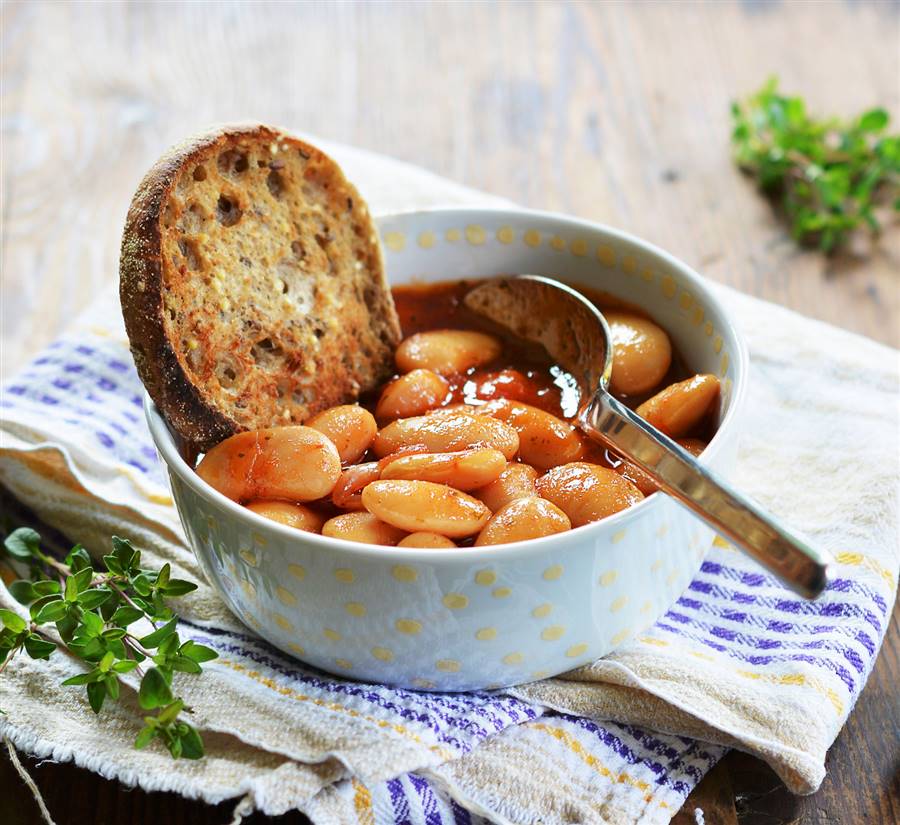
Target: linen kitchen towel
<point>738,661</point>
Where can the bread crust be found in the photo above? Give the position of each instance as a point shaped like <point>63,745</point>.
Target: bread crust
<point>200,414</point>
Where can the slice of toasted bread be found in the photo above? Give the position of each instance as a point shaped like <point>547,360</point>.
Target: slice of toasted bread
<point>252,285</point>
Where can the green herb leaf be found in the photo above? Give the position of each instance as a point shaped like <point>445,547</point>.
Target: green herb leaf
<point>89,599</point>
<point>154,691</point>
<point>96,692</point>
<point>159,635</point>
<point>23,544</point>
<point>178,587</point>
<point>170,712</point>
<point>52,612</point>
<point>199,653</point>
<point>78,558</point>
<point>23,591</point>
<point>38,648</point>
<point>144,737</point>
<point>125,615</point>
<point>13,621</point>
<point>191,744</point>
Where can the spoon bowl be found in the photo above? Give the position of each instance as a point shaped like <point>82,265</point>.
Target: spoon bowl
<point>576,336</point>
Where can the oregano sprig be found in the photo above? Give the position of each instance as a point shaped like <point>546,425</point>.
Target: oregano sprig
<point>830,176</point>
<point>93,612</point>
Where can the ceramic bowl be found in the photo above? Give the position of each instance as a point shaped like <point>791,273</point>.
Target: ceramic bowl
<point>470,618</point>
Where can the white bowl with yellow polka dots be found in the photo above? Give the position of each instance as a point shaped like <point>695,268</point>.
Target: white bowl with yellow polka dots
<point>470,618</point>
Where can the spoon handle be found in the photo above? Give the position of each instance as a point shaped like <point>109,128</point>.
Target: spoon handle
<point>800,566</point>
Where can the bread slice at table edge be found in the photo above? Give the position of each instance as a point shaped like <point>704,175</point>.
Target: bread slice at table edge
<point>285,373</point>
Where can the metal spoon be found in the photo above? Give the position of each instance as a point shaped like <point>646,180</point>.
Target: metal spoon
<point>576,336</point>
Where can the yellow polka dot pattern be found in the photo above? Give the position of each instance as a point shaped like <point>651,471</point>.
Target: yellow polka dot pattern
<point>426,240</point>
<point>485,577</point>
<point>343,664</point>
<point>249,556</point>
<point>403,573</point>
<point>298,571</point>
<point>606,255</point>
<point>409,626</point>
<point>501,592</point>
<point>578,247</point>
<point>285,596</point>
<point>532,238</point>
<point>513,659</point>
<point>618,536</point>
<point>455,601</point>
<point>553,572</point>
<point>355,609</point>
<point>542,611</point>
<point>621,636</point>
<point>576,650</point>
<point>608,578</point>
<point>344,575</point>
<point>618,604</point>
<point>331,635</point>
<point>557,243</point>
<point>505,234</point>
<point>283,622</point>
<point>395,241</point>
<point>447,665</point>
<point>552,633</point>
<point>475,235</point>
<point>453,235</point>
<point>298,649</point>
<point>485,634</point>
<point>383,654</point>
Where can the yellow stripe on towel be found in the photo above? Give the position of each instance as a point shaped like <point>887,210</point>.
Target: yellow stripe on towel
<point>589,759</point>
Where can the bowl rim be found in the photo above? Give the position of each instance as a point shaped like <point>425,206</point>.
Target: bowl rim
<point>165,442</point>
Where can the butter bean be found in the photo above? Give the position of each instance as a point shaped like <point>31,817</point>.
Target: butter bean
<point>291,515</point>
<point>516,481</point>
<point>642,353</point>
<point>422,506</point>
<point>287,463</point>
<point>415,393</point>
<point>544,440</point>
<point>523,519</point>
<point>346,493</point>
<point>587,492</point>
<point>446,351</point>
<point>447,432</point>
<point>350,428</point>
<point>362,527</point>
<point>680,407</point>
<point>426,540</point>
<point>465,470</point>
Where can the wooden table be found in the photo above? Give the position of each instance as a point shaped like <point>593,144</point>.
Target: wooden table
<point>612,111</point>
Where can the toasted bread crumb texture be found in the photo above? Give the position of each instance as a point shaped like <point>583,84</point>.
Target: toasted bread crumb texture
<point>272,294</point>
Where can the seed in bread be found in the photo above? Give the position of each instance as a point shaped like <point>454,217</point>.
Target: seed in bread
<point>252,285</point>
